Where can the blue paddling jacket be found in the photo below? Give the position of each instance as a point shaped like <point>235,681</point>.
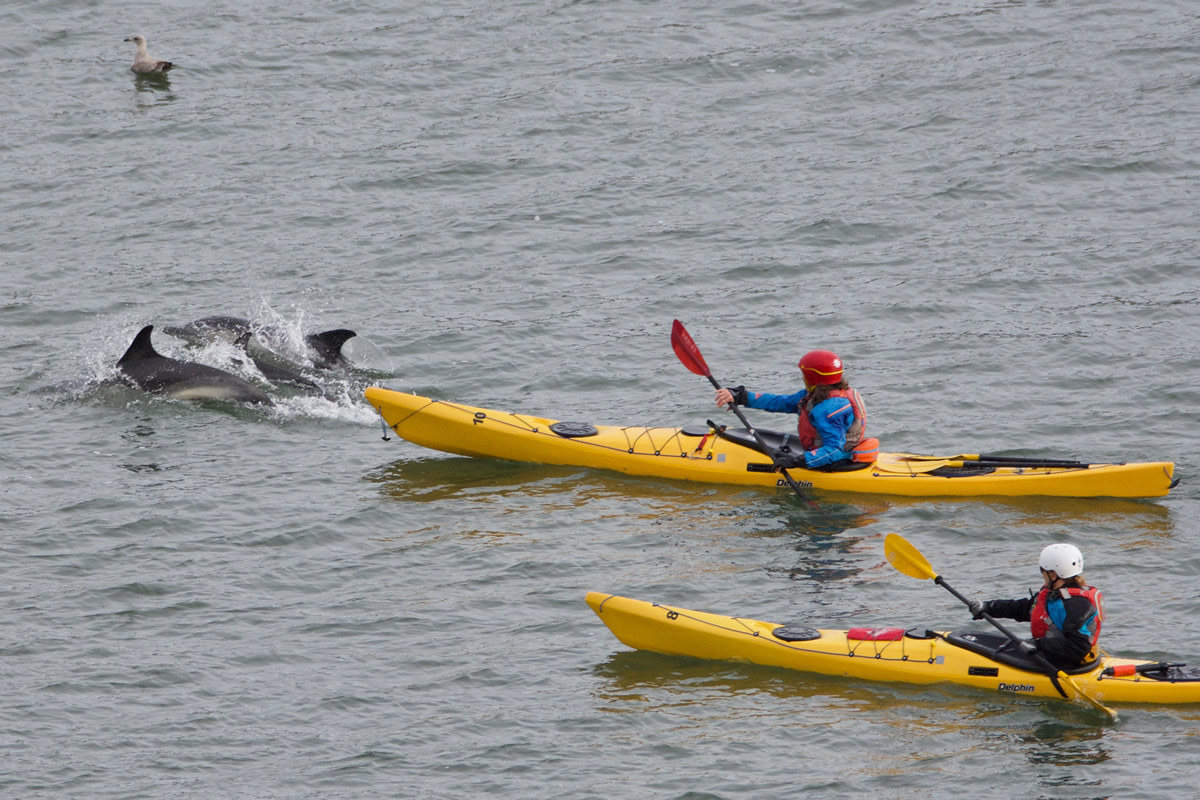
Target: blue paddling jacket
<point>831,419</point>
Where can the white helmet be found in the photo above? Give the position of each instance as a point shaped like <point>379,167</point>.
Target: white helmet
<point>1063,559</point>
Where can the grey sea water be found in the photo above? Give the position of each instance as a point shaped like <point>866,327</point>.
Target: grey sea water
<point>987,208</point>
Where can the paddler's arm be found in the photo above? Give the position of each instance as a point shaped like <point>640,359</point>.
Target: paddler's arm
<point>763,401</point>
<point>1010,609</point>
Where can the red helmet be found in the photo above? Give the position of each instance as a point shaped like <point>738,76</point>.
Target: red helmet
<point>820,367</point>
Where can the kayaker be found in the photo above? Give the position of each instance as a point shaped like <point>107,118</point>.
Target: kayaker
<point>832,416</point>
<point>1064,616</point>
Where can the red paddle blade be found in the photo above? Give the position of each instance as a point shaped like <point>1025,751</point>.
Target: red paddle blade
<point>685,348</point>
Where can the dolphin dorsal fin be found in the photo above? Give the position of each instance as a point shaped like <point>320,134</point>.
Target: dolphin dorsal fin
<point>328,344</point>
<point>242,342</point>
<point>141,347</point>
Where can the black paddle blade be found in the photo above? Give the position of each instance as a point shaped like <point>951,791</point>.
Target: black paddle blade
<point>685,348</point>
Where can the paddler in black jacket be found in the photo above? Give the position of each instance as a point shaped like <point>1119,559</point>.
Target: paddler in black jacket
<point>1064,616</point>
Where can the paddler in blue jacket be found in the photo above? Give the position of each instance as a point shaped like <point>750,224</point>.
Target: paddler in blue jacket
<point>832,416</point>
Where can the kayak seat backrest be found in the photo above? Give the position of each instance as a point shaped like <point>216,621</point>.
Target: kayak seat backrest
<point>776,440</point>
<point>999,647</point>
<point>867,450</point>
<point>875,634</point>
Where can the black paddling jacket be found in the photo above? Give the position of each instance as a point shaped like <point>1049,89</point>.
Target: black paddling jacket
<point>1064,649</point>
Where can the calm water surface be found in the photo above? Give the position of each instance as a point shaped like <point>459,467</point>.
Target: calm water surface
<point>987,208</point>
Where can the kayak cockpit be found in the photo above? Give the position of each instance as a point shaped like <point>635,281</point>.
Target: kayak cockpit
<point>778,441</point>
<point>1001,649</point>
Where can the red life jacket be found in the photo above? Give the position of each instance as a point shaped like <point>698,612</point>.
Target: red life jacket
<point>811,439</point>
<point>1040,622</point>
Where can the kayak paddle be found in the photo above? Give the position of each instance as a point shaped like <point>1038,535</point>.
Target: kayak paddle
<point>908,559</point>
<point>907,465</point>
<point>689,355</point>
<point>1001,461</point>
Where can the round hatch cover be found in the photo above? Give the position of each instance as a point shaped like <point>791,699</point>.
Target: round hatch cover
<point>574,430</point>
<point>796,633</point>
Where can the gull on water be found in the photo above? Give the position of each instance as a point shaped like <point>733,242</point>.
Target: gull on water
<point>143,62</point>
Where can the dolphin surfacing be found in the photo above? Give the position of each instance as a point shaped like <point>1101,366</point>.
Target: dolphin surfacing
<point>276,373</point>
<point>155,373</point>
<point>327,347</point>
<point>206,329</point>
<point>324,348</point>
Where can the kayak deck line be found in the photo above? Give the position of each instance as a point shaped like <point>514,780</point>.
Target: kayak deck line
<point>479,416</point>
<point>879,653</point>
<point>717,454</point>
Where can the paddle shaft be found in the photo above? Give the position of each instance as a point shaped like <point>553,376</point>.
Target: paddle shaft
<point>1046,463</point>
<point>758,438</point>
<point>1053,672</point>
<point>690,356</point>
<point>921,464</point>
<point>1001,461</point>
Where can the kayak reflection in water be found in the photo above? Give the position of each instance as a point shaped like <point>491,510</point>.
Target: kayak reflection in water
<point>1064,616</point>
<point>832,416</point>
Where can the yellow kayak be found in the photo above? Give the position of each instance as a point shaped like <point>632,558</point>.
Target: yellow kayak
<point>979,659</point>
<point>731,456</point>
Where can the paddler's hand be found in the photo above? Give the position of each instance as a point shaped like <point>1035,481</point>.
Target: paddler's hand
<point>786,459</point>
<point>1027,647</point>
<point>736,395</point>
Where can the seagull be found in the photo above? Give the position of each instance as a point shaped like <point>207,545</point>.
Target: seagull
<point>142,62</point>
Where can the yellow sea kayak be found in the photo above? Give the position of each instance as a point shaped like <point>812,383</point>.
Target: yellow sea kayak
<point>979,659</point>
<point>731,456</point>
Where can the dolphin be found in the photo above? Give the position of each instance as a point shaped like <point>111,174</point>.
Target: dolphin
<point>275,373</point>
<point>237,331</point>
<point>325,348</point>
<point>206,329</point>
<point>184,380</point>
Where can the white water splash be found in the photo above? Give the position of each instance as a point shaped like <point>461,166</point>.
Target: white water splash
<point>338,395</point>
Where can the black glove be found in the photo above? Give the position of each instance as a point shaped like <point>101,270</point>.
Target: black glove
<point>978,609</point>
<point>786,459</point>
<point>739,395</point>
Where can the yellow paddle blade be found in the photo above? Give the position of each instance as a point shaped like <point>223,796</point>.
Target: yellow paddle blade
<point>1062,676</point>
<point>906,558</point>
<point>905,465</point>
